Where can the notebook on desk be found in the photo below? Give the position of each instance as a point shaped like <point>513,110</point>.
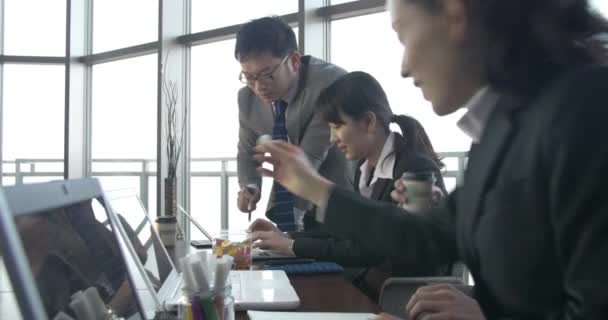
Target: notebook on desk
<point>59,233</point>
<point>264,315</point>
<point>263,290</point>
<point>315,267</point>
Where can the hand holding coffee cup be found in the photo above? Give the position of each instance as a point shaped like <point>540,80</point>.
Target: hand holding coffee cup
<point>417,190</point>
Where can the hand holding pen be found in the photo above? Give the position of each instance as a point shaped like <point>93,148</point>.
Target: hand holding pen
<point>255,197</point>
<point>248,198</point>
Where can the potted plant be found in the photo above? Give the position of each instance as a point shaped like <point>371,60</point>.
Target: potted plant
<point>174,135</point>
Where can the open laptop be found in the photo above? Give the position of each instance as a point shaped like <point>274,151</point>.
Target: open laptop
<point>23,302</point>
<point>61,239</point>
<point>263,290</point>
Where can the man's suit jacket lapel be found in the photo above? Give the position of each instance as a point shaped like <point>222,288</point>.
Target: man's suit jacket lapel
<point>483,162</point>
<point>295,111</point>
<point>293,120</point>
<point>266,116</point>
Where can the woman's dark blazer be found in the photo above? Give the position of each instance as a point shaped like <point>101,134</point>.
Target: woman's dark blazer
<point>530,221</point>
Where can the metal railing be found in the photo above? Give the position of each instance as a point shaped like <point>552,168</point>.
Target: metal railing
<point>29,170</point>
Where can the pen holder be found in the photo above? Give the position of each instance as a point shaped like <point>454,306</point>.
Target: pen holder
<point>211,306</point>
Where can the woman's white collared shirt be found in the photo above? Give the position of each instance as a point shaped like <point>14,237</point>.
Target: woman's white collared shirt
<point>384,167</point>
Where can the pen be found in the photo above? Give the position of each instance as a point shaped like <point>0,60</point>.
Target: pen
<point>252,189</point>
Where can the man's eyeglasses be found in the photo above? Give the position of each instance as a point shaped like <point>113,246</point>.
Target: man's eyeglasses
<point>265,76</point>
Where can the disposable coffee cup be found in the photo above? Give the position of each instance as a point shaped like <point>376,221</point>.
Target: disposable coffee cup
<point>419,190</point>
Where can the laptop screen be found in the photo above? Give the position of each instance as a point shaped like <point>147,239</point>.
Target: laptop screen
<point>72,247</point>
<point>149,249</point>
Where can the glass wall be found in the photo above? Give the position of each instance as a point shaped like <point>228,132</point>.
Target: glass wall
<point>208,15</point>
<point>123,126</point>
<point>123,93</point>
<point>118,23</point>
<point>368,43</point>
<point>33,123</point>
<point>34,27</point>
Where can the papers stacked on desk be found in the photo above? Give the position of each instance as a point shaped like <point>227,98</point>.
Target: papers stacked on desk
<point>264,315</point>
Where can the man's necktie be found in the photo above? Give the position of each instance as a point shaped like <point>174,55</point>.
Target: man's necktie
<point>282,212</point>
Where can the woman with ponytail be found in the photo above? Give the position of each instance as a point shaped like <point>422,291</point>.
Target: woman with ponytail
<point>357,110</point>
<point>359,116</point>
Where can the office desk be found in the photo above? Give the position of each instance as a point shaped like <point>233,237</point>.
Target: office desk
<point>327,293</point>
<point>321,293</point>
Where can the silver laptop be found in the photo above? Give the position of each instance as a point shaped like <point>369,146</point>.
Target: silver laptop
<point>264,290</point>
<point>23,302</point>
<point>67,245</point>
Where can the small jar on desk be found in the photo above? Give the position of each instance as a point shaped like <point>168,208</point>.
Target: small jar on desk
<point>167,229</point>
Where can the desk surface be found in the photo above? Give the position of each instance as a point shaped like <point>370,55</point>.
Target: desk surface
<point>327,293</point>
<point>322,293</point>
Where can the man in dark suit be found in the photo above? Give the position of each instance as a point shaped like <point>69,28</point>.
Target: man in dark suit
<point>277,75</point>
<point>531,220</point>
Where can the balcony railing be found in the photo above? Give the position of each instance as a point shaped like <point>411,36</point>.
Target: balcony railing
<point>143,171</point>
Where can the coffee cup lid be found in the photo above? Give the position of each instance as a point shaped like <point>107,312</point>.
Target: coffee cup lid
<point>420,175</point>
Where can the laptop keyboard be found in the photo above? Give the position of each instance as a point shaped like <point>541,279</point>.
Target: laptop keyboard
<point>264,253</point>
<point>235,281</point>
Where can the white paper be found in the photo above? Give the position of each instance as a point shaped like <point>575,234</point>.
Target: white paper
<point>264,315</point>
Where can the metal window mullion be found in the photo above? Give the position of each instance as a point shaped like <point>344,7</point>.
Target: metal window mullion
<point>121,54</point>
<point>313,28</point>
<point>88,90</point>
<point>18,176</point>
<point>67,90</point>
<point>224,201</point>
<point>186,152</point>
<point>143,184</point>
<point>1,90</point>
<point>32,59</point>
<point>351,9</point>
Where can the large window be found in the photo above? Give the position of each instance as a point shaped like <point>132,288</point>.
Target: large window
<point>377,51</point>
<point>123,124</point>
<point>33,123</point>
<point>214,132</point>
<point>120,23</point>
<point>34,27</point>
<point>215,14</point>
